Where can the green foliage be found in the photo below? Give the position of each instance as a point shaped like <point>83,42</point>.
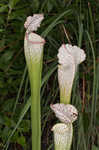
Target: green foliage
<point>81,22</point>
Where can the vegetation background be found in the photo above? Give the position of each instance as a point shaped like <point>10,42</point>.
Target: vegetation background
<point>68,21</point>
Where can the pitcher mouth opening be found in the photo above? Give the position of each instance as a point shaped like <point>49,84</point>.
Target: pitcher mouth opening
<point>34,42</point>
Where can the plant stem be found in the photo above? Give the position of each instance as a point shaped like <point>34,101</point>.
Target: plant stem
<point>35,82</point>
<point>34,55</point>
<point>64,98</point>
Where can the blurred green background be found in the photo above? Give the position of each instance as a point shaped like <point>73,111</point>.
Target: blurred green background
<point>66,21</point>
